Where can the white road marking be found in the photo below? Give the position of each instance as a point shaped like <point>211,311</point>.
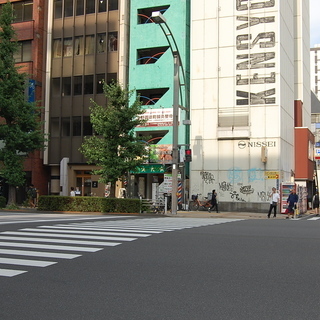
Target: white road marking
<point>23,262</point>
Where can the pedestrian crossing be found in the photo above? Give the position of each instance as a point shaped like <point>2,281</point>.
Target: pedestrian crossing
<point>46,245</point>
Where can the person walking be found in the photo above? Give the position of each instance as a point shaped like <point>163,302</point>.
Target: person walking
<point>72,192</point>
<point>315,203</point>
<point>292,202</point>
<point>274,200</point>
<point>214,202</point>
<point>32,196</point>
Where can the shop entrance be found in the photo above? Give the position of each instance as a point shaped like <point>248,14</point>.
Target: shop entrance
<point>83,183</point>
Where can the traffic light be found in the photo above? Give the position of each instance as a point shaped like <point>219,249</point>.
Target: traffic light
<point>188,155</point>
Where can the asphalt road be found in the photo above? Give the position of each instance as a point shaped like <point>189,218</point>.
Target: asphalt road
<point>161,268</point>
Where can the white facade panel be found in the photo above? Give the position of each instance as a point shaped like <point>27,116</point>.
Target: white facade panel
<point>242,131</point>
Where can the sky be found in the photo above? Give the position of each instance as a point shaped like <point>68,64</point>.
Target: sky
<point>314,22</point>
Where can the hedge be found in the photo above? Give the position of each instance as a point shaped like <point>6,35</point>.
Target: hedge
<point>89,204</point>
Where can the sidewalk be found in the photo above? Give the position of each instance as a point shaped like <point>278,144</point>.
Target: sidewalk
<point>185,214</point>
<point>232,215</point>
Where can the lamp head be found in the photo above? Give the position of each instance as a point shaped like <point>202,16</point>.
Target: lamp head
<point>158,17</point>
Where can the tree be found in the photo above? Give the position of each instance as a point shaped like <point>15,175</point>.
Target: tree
<point>20,129</point>
<point>115,148</point>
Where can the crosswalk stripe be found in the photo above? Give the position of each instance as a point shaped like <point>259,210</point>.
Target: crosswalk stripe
<point>314,218</point>
<point>111,229</point>
<point>87,232</point>
<point>80,236</point>
<point>94,243</point>
<point>48,246</point>
<point>39,254</point>
<point>23,262</point>
<point>10,272</point>
<point>133,228</point>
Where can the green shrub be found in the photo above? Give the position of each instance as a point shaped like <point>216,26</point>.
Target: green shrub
<point>88,204</point>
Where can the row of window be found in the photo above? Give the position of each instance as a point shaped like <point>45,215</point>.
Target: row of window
<point>70,126</point>
<point>69,8</point>
<point>22,10</point>
<point>78,85</point>
<point>88,44</point>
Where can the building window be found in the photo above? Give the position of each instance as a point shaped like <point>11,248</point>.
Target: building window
<point>113,5</point>
<point>78,46</point>
<point>67,47</point>
<point>68,8</point>
<point>77,85</point>
<point>56,86</point>
<point>58,9</point>
<point>87,127</point>
<point>101,43</point>
<point>90,6</point>
<point>66,86</point>
<point>54,127</point>
<point>57,48</point>
<point>100,81</point>
<point>102,5</point>
<point>76,126</point>
<point>89,45</point>
<point>23,53</point>
<point>111,77</point>
<point>88,84</point>
<point>22,11</point>
<point>65,127</point>
<point>113,41</point>
<point>80,7</point>
<point>144,15</point>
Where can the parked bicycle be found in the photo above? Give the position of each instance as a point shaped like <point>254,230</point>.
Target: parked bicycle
<point>196,204</point>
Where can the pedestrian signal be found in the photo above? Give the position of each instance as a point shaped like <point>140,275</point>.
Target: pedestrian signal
<point>188,155</point>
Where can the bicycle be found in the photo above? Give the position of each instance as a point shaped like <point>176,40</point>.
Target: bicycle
<point>196,204</point>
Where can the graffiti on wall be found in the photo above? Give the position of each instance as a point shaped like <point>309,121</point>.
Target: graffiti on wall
<point>207,177</point>
<point>246,190</point>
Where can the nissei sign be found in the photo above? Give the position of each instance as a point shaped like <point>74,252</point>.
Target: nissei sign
<point>317,153</point>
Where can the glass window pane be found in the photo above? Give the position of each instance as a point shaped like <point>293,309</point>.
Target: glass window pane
<point>89,46</point>
<point>68,8</point>
<point>87,127</point>
<point>77,85</point>
<point>88,84</point>
<point>78,46</point>
<point>56,86</point>
<point>90,6</point>
<point>58,9</point>
<point>57,48</point>
<point>102,5</point>
<point>80,7</point>
<point>101,43</point>
<point>26,51</point>
<point>111,77</point>
<point>67,47</point>
<point>17,11</point>
<point>18,54</point>
<point>100,81</point>
<point>27,12</point>
<point>113,41</point>
<point>66,86</point>
<point>113,4</point>
<point>54,130</point>
<point>76,126</point>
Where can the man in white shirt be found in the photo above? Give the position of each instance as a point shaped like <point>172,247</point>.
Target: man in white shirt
<point>274,200</point>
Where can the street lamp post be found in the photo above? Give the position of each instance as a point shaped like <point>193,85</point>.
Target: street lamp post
<point>158,18</point>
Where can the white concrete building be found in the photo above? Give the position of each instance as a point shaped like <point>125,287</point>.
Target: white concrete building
<point>315,69</point>
<point>250,88</point>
